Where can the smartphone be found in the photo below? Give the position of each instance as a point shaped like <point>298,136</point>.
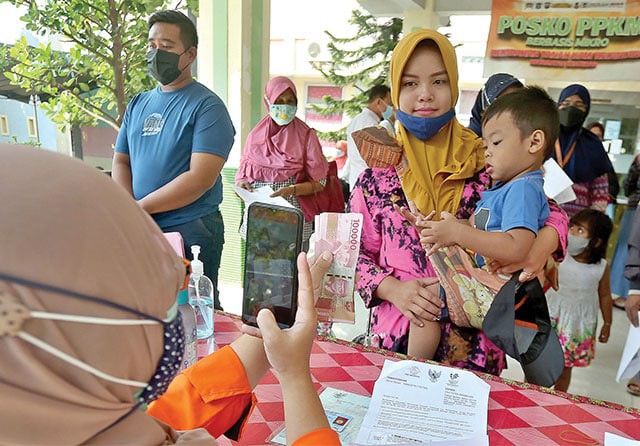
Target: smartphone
<point>274,240</point>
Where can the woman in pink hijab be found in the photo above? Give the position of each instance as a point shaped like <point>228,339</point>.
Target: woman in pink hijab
<point>89,332</point>
<point>280,147</point>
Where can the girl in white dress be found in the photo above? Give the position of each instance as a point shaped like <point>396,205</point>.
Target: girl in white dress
<point>583,284</point>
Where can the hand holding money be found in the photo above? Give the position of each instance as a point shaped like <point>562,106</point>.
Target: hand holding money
<point>340,234</point>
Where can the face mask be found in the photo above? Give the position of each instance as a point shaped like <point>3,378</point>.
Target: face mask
<point>15,313</point>
<point>282,114</point>
<point>424,128</point>
<point>571,116</point>
<point>576,245</point>
<point>163,65</point>
<point>386,114</point>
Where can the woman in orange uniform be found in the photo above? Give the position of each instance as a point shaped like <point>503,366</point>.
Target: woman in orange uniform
<point>89,332</point>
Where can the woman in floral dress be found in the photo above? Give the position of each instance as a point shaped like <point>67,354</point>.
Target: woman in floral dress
<point>444,171</point>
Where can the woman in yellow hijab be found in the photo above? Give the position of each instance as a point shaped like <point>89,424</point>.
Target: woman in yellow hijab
<point>442,170</point>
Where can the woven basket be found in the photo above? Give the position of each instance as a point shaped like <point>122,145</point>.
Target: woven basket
<point>377,148</point>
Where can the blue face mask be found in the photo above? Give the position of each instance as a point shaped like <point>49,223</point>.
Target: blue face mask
<point>386,114</point>
<point>282,114</point>
<point>424,128</point>
<point>166,369</point>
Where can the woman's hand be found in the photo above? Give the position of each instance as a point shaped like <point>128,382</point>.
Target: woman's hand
<point>417,299</point>
<point>245,185</point>
<point>288,350</point>
<point>251,349</point>
<point>533,265</point>
<point>285,192</point>
<point>417,219</point>
<point>320,265</point>
<point>632,306</point>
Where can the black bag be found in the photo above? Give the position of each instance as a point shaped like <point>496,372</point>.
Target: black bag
<point>518,323</point>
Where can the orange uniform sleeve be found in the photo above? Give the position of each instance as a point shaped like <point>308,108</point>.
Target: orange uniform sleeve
<point>324,437</point>
<point>214,394</point>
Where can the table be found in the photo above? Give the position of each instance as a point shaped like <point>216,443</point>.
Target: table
<point>519,413</point>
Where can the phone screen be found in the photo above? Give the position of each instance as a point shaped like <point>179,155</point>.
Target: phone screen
<point>274,240</point>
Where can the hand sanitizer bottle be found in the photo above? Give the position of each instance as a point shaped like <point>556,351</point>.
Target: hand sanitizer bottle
<point>189,324</point>
<point>201,296</point>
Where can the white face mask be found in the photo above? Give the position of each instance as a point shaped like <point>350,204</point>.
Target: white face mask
<point>15,314</point>
<point>576,245</point>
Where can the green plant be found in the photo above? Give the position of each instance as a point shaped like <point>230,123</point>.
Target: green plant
<point>104,67</point>
<point>362,61</point>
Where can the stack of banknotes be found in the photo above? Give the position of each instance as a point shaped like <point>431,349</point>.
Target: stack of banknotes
<point>340,234</point>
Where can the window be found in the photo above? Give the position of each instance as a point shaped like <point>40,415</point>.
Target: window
<point>315,93</point>
<point>31,127</point>
<point>4,125</point>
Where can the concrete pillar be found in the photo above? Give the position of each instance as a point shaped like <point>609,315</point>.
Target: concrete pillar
<point>234,59</point>
<point>417,19</point>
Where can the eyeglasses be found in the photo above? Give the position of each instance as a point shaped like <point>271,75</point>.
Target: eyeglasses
<point>577,104</point>
<point>187,274</point>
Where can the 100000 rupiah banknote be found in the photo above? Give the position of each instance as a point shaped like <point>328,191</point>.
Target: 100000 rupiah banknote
<point>340,234</point>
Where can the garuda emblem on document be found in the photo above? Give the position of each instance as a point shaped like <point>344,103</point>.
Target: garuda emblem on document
<point>434,376</point>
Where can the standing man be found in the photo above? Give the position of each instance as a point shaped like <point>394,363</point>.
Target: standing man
<point>379,107</point>
<point>173,143</point>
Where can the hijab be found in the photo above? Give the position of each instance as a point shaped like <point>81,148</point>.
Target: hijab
<point>274,153</point>
<point>437,169</point>
<point>589,159</point>
<point>67,225</point>
<point>494,87</point>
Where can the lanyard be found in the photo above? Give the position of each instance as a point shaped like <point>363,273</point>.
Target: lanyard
<point>563,161</point>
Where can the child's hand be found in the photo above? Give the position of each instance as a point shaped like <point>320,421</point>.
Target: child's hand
<point>604,333</point>
<point>417,219</point>
<point>439,234</point>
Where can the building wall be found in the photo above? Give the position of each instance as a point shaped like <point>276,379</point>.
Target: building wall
<point>97,146</point>
<point>17,114</point>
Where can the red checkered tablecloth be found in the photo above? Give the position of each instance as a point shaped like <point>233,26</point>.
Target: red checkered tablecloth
<point>519,413</point>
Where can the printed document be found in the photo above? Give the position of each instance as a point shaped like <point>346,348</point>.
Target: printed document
<point>414,402</point>
<point>345,412</point>
<point>630,361</point>
<point>557,184</point>
<point>262,194</point>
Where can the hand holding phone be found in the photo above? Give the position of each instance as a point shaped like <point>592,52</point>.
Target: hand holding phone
<point>274,240</point>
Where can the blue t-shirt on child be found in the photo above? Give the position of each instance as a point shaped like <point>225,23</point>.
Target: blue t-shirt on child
<point>161,130</point>
<point>519,203</point>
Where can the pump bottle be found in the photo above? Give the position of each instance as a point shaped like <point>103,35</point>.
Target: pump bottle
<point>190,336</point>
<point>201,296</point>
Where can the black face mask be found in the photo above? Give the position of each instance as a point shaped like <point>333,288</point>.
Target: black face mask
<point>163,65</point>
<point>571,116</point>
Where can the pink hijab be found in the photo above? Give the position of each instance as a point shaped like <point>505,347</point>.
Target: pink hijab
<point>275,153</point>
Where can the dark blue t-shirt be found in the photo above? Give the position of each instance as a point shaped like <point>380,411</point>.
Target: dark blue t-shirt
<point>519,203</point>
<point>161,130</point>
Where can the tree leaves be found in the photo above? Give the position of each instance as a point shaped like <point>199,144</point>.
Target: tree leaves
<point>102,37</point>
<point>361,60</point>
